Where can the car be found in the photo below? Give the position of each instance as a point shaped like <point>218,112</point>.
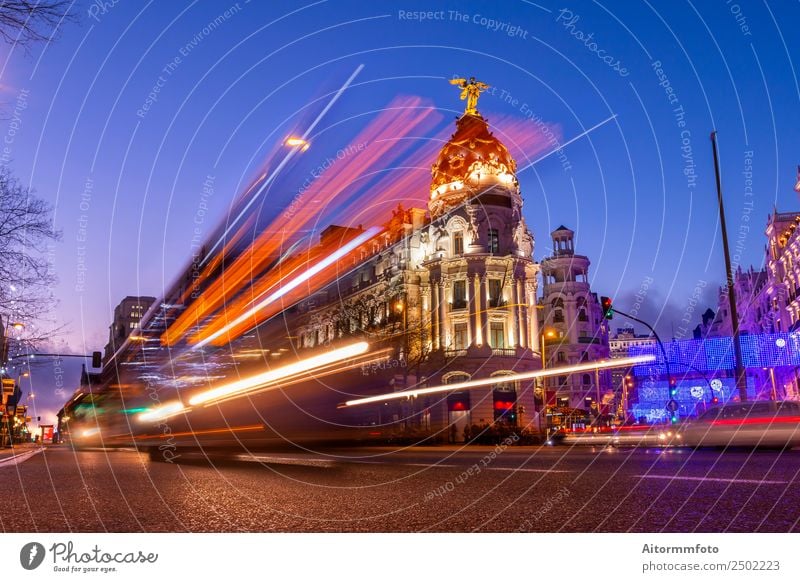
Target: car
<point>774,424</point>
<point>640,435</point>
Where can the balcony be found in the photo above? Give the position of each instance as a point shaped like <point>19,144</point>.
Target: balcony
<point>504,352</point>
<point>459,304</point>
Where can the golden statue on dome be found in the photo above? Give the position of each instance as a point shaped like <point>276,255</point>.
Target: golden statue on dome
<point>470,90</point>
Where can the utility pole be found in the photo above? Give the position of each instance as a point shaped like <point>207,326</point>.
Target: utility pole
<point>741,379</point>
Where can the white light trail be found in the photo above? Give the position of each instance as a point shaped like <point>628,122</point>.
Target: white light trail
<point>563,145</point>
<point>470,384</point>
<point>162,412</point>
<point>283,162</point>
<point>307,365</point>
<point>294,283</point>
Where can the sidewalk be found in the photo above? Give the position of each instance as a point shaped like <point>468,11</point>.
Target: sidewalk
<point>18,453</point>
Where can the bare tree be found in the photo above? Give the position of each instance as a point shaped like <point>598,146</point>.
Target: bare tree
<point>26,250</point>
<point>30,21</point>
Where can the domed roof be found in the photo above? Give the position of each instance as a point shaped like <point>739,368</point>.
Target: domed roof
<point>471,148</point>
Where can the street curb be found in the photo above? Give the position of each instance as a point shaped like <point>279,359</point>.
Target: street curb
<point>20,457</point>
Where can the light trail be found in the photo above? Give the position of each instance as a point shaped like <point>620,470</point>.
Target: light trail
<point>285,161</point>
<point>162,412</point>
<point>321,372</point>
<point>563,145</point>
<point>297,281</point>
<point>303,366</point>
<point>384,137</point>
<point>470,384</point>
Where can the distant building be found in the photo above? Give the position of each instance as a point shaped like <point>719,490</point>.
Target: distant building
<point>704,328</point>
<point>570,309</point>
<point>752,305</point>
<point>127,316</point>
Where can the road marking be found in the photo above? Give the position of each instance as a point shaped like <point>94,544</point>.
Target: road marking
<point>449,466</point>
<point>19,458</point>
<point>391,464</point>
<point>715,479</point>
<point>272,460</point>
<point>529,470</point>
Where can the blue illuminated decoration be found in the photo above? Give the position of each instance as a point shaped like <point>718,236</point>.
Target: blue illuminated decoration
<point>769,350</point>
<point>693,395</point>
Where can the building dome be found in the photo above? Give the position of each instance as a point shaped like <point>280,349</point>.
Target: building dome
<point>471,149</point>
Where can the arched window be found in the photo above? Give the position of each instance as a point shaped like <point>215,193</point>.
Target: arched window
<point>456,377</point>
<point>587,380</point>
<point>558,316</point>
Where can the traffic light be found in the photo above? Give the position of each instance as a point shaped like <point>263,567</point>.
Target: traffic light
<point>673,390</point>
<point>674,419</point>
<point>608,310</point>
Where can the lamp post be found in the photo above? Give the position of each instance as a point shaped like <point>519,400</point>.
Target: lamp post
<point>773,394</point>
<point>546,333</point>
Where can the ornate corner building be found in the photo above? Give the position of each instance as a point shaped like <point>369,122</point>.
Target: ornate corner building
<point>574,328</point>
<point>453,289</point>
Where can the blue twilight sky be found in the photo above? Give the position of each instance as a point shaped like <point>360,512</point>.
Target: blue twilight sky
<point>125,172</point>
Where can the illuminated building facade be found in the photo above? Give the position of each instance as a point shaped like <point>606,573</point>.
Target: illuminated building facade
<point>572,315</point>
<point>455,285</point>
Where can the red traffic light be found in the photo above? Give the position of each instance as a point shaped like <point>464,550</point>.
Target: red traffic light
<point>608,309</point>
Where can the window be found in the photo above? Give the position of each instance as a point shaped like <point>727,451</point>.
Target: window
<point>561,357</point>
<point>495,290</point>
<point>497,335</point>
<point>460,336</point>
<point>587,379</point>
<point>494,241</point>
<point>456,378</point>
<point>582,315</point>
<point>558,316</point>
<point>458,243</point>
<point>459,294</point>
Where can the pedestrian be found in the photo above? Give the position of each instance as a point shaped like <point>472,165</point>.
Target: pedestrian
<point>453,433</point>
<point>466,432</point>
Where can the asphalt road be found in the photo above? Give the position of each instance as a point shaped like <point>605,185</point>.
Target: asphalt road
<point>577,489</point>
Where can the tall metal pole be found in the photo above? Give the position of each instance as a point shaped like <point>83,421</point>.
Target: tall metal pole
<point>741,380</point>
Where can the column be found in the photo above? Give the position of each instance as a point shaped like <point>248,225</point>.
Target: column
<point>482,294</point>
<point>476,286</point>
<point>533,318</point>
<point>521,313</point>
<point>514,316</point>
<point>471,305</point>
<point>435,327</point>
<point>443,313</point>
